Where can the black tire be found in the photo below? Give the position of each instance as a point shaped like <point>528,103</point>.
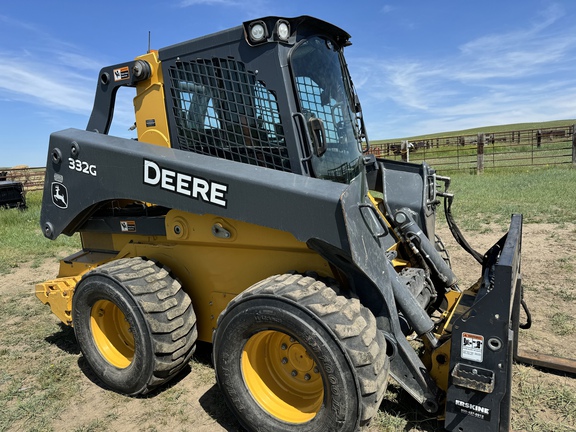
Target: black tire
<point>441,248</point>
<point>291,354</point>
<point>134,324</point>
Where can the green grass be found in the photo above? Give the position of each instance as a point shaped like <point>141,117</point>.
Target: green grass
<point>36,376</point>
<point>541,195</point>
<point>21,239</point>
<point>563,324</point>
<point>533,394</point>
<point>399,412</point>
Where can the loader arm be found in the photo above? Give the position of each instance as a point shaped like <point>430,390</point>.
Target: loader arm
<point>179,179</point>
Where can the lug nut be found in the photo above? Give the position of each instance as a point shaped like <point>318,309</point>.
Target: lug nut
<point>294,373</point>
<point>284,360</point>
<point>284,346</point>
<point>307,377</point>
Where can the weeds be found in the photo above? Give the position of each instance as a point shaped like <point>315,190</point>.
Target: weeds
<point>557,397</point>
<point>562,324</point>
<point>38,377</point>
<point>540,195</point>
<point>21,239</point>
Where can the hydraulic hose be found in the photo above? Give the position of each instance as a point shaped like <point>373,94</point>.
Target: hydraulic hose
<point>458,236</point>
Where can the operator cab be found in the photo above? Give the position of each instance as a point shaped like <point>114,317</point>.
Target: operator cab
<point>274,92</point>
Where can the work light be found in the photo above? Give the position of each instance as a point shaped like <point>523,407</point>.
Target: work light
<point>258,32</point>
<point>283,30</point>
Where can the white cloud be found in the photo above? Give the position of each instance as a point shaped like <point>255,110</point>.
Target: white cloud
<point>387,9</point>
<point>507,58</point>
<point>46,72</point>
<point>77,61</point>
<point>413,84</point>
<point>523,52</point>
<point>44,84</point>
<point>522,75</point>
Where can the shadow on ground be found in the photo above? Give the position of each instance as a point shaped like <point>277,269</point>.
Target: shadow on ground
<point>397,402</point>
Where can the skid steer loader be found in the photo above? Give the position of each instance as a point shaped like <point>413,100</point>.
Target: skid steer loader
<point>249,215</point>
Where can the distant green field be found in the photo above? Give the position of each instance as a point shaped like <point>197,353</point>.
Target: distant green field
<point>484,129</point>
<point>541,195</point>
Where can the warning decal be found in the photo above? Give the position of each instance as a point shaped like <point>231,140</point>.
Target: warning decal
<point>472,347</point>
<point>122,73</point>
<point>128,226</point>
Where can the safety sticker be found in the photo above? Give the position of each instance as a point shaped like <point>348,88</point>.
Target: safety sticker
<point>59,195</point>
<point>472,347</point>
<point>121,74</point>
<point>128,226</point>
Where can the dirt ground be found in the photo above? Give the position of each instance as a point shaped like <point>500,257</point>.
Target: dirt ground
<point>548,277</point>
<point>193,401</point>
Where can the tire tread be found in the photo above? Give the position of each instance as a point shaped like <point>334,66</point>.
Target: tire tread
<point>167,310</point>
<point>353,325</point>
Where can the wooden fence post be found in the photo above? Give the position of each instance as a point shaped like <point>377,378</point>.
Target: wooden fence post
<point>574,146</point>
<point>480,154</point>
<point>405,151</point>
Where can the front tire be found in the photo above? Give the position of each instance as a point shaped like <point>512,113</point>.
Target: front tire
<point>134,324</point>
<point>291,354</point>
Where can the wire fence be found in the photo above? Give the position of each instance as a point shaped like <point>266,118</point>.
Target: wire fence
<point>473,153</point>
<point>31,178</point>
<point>484,151</point>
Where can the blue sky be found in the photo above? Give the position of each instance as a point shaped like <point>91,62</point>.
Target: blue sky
<point>420,66</point>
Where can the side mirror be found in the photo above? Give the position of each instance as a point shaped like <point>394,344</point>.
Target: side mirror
<point>318,135</point>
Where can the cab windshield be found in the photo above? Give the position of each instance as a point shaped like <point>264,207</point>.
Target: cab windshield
<point>326,101</point>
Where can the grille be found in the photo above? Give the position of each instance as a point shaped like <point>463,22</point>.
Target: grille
<point>222,110</point>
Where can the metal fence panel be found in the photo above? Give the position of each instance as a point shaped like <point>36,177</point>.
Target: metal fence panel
<point>484,151</point>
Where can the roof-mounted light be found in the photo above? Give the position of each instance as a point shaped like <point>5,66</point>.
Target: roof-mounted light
<point>258,32</point>
<point>283,30</point>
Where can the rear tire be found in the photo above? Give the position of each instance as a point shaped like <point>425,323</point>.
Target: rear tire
<point>439,244</point>
<point>134,324</point>
<point>292,355</point>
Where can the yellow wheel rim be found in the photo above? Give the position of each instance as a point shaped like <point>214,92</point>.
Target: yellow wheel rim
<point>282,377</point>
<point>112,333</point>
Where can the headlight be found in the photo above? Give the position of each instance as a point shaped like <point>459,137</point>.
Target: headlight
<point>283,30</point>
<point>258,32</point>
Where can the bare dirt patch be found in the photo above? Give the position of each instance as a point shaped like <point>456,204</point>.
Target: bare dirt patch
<point>540,399</point>
<point>43,355</point>
<point>548,277</point>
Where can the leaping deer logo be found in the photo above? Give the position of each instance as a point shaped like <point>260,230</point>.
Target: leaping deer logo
<point>59,195</point>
